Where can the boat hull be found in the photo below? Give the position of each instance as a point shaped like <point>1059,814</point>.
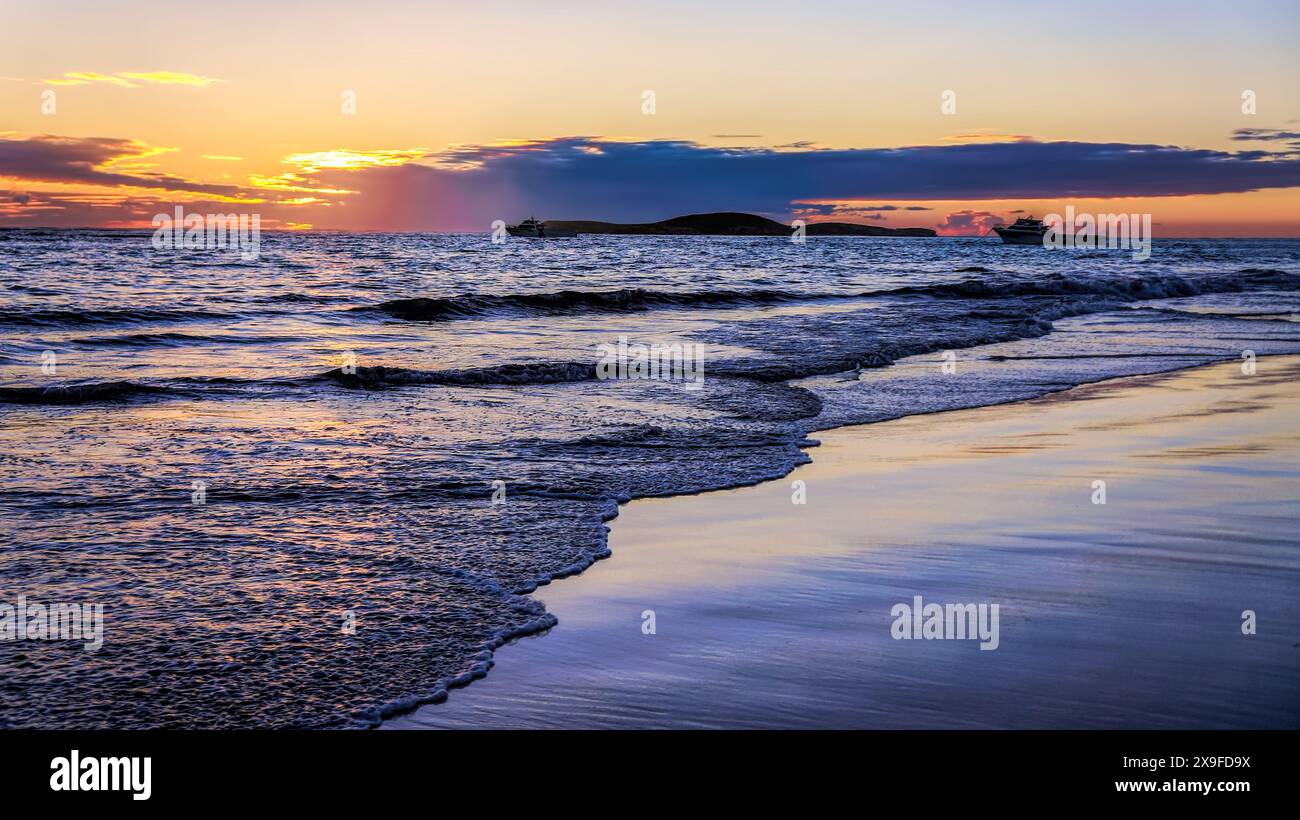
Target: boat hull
<point>545,233</point>
<point>1011,237</point>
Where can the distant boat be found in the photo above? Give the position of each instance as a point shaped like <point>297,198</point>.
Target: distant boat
<point>538,230</point>
<point>1025,231</point>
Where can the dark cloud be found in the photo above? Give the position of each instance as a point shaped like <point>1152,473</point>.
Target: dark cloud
<point>876,208</point>
<point>590,178</point>
<point>56,209</point>
<point>840,210</point>
<point>593,178</point>
<point>85,160</point>
<point>815,209</point>
<point>112,210</point>
<point>1265,134</point>
<point>1291,138</point>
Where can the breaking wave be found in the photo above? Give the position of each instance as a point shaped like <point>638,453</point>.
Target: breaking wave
<point>627,300</point>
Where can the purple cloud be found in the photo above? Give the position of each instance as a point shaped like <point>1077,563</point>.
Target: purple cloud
<point>968,223</point>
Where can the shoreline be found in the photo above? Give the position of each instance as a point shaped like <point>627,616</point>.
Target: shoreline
<point>528,687</point>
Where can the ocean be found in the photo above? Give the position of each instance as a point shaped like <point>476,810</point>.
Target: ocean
<point>315,489</point>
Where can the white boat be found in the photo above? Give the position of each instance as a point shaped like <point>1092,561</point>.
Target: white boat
<point>1025,231</point>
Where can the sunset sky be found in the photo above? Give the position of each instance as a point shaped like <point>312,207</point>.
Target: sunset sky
<point>470,112</point>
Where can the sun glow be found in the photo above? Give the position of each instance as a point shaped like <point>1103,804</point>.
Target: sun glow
<point>343,159</point>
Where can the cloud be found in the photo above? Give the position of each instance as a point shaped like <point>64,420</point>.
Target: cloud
<point>293,183</point>
<point>348,160</point>
<point>851,210</point>
<point>130,193</point>
<point>169,78</point>
<point>866,209</point>
<point>87,77</point>
<point>123,79</point>
<point>110,209</point>
<point>814,209</point>
<point>1291,138</point>
<point>968,222</point>
<point>1264,134</point>
<point>467,187</point>
<point>989,135</point>
<point>308,165</point>
<point>101,161</point>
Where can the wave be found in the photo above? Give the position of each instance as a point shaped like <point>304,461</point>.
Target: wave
<point>126,390</point>
<point>75,318</point>
<point>380,376</point>
<point>994,303</point>
<point>173,339</point>
<point>84,393</point>
<point>1267,315</point>
<point>769,397</point>
<point>629,300</point>
<point>71,234</point>
<point>625,300</point>
<point>296,298</point>
<point>1126,288</point>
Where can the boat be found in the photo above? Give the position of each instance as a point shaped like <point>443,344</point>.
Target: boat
<point>538,230</point>
<point>1024,231</point>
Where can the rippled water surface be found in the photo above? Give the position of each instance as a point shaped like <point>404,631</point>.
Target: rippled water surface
<point>330,492</point>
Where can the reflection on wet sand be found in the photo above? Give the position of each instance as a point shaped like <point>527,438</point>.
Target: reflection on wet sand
<point>1126,614</point>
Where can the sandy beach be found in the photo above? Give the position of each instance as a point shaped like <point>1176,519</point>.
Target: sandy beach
<point>1127,614</point>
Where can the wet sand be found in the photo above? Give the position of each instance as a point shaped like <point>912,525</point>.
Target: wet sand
<point>1126,614</point>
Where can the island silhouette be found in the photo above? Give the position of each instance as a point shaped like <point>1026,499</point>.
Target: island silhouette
<point>728,223</point>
